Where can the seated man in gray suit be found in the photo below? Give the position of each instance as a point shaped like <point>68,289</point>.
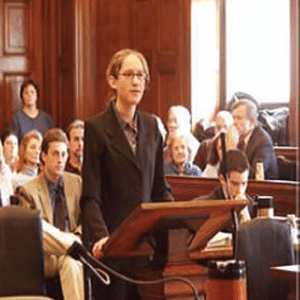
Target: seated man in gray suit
<point>56,194</point>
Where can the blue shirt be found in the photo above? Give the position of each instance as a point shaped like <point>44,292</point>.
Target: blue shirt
<point>22,123</point>
<point>190,170</point>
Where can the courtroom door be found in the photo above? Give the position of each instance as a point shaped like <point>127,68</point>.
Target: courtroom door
<point>21,48</point>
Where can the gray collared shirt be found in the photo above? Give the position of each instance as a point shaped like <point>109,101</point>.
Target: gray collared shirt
<point>130,131</point>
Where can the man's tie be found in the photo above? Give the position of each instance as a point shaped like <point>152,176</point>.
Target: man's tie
<point>241,144</point>
<point>60,211</point>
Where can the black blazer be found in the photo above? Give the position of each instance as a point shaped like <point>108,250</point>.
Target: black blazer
<point>260,149</point>
<point>115,180</point>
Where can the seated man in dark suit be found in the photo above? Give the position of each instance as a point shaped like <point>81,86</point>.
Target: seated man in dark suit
<point>56,195</point>
<point>236,185</point>
<point>254,140</point>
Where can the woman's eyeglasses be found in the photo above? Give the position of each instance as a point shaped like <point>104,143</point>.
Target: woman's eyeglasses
<point>130,76</point>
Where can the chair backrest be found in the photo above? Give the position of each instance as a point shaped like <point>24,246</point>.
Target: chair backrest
<point>262,243</point>
<point>21,252</point>
<point>286,168</point>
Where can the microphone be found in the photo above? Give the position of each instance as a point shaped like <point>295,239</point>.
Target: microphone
<point>79,252</point>
<point>224,156</point>
<point>234,214</point>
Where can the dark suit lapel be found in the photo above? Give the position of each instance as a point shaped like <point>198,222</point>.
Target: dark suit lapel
<point>251,140</point>
<point>117,137</point>
<point>143,139</point>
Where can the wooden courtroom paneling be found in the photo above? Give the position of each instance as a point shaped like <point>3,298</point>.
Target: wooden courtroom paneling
<point>294,118</point>
<point>167,47</point>
<point>156,28</point>
<point>285,193</point>
<point>60,60</point>
<point>20,52</point>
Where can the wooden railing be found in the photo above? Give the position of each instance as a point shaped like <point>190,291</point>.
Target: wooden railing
<point>288,152</point>
<point>285,193</point>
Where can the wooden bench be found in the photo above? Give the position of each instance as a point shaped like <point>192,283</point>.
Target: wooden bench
<point>285,193</point>
<point>287,162</point>
<point>288,152</point>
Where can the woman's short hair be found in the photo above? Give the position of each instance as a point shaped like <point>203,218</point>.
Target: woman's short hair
<point>178,136</point>
<point>28,82</point>
<point>33,134</point>
<point>117,60</point>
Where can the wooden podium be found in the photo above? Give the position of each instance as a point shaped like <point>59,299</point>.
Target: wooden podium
<point>183,230</point>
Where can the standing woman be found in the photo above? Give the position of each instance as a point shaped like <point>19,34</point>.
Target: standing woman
<point>30,117</point>
<point>29,158</point>
<point>123,162</point>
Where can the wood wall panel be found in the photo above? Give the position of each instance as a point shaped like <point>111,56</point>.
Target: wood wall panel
<point>168,22</point>
<point>167,55</point>
<point>60,60</point>
<point>16,28</point>
<point>51,33</point>
<point>294,120</point>
<point>66,109</point>
<point>143,25</point>
<point>150,26</point>
<point>85,56</point>
<point>171,50</point>
<point>10,101</point>
<point>113,34</point>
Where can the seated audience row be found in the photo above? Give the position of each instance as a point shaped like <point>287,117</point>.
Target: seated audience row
<point>56,194</point>
<point>39,181</point>
<point>245,133</point>
<point>254,140</point>
<point>20,164</point>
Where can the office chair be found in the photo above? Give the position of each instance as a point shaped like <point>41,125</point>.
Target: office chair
<point>21,254</point>
<point>262,243</point>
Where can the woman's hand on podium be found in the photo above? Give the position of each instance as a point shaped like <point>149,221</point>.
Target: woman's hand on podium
<point>97,248</point>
